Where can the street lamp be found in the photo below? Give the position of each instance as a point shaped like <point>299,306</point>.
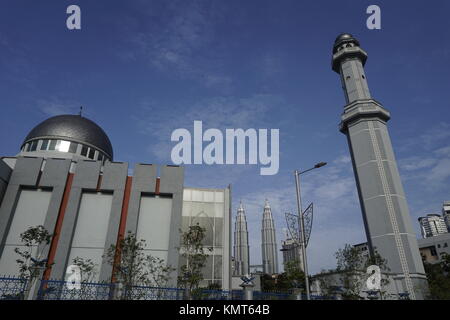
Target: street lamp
<point>301,223</point>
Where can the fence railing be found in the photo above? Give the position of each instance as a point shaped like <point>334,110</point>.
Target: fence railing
<point>13,289</point>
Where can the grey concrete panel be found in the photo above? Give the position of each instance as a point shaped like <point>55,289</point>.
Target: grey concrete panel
<point>86,177</point>
<point>370,181</point>
<point>114,179</point>
<point>144,180</point>
<point>172,181</point>
<point>25,173</point>
<point>362,146</point>
<point>5,174</point>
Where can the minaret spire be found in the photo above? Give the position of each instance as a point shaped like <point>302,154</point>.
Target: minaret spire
<point>383,203</point>
<point>241,245</point>
<point>269,242</point>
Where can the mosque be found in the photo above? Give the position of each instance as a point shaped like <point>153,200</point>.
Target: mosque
<point>65,178</point>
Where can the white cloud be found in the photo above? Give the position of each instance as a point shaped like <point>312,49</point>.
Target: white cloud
<point>55,106</point>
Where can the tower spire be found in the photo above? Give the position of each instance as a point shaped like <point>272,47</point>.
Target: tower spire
<point>241,245</point>
<point>269,242</point>
<point>385,211</point>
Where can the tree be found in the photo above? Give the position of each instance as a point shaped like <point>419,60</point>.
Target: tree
<point>132,267</point>
<point>31,265</point>
<point>292,278</point>
<point>193,251</point>
<point>349,277</point>
<point>88,270</point>
<point>294,275</point>
<point>438,275</point>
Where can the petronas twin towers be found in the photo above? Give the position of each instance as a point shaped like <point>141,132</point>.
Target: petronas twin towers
<point>268,245</point>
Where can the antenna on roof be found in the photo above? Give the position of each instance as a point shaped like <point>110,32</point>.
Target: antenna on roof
<point>81,110</point>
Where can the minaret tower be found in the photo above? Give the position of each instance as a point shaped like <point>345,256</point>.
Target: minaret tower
<point>241,247</point>
<point>269,242</point>
<point>383,203</point>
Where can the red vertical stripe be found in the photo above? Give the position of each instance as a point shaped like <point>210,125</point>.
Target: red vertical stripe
<point>123,218</point>
<point>58,225</point>
<point>158,181</point>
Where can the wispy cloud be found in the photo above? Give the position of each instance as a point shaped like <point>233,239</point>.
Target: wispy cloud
<point>217,112</point>
<point>181,43</point>
<point>54,106</point>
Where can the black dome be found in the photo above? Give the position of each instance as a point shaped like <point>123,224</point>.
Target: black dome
<point>73,128</point>
<point>344,38</point>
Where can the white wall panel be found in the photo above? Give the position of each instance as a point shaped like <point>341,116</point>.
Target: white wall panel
<point>31,211</point>
<point>154,222</point>
<point>91,229</point>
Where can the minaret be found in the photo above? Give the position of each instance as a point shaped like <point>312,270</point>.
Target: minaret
<point>241,247</point>
<point>269,242</point>
<point>383,203</point>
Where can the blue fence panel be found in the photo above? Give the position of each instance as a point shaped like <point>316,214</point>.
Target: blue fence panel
<point>260,295</point>
<point>59,290</point>
<point>12,288</point>
<point>152,293</point>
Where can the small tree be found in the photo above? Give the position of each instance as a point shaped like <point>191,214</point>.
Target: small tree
<point>88,269</point>
<point>351,273</point>
<point>438,275</point>
<point>132,267</point>
<point>193,250</point>
<point>294,275</point>
<point>31,263</point>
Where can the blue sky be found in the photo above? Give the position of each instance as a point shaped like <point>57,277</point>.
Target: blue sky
<point>144,68</point>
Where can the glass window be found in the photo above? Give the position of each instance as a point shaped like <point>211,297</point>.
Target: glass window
<point>84,151</point>
<point>44,144</point>
<point>91,153</point>
<point>52,145</point>
<point>63,146</point>
<point>433,251</point>
<point>100,157</point>
<point>73,147</point>
<point>33,145</point>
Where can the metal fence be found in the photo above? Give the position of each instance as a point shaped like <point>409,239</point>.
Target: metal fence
<point>13,289</point>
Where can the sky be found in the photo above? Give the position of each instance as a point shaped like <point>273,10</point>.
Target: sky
<point>142,69</point>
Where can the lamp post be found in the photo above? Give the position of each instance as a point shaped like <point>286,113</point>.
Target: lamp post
<point>301,223</point>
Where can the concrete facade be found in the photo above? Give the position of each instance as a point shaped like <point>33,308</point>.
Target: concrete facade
<point>432,249</point>
<point>83,227</point>
<point>383,203</point>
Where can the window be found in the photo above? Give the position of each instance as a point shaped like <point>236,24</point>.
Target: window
<point>44,144</point>
<point>433,251</point>
<point>52,145</point>
<point>63,146</point>
<point>100,157</point>
<point>27,147</point>
<point>91,153</point>
<point>445,245</point>
<point>73,147</point>
<point>439,245</point>
<point>33,145</point>
<point>84,151</point>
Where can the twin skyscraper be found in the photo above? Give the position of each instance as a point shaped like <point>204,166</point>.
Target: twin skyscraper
<point>268,244</point>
